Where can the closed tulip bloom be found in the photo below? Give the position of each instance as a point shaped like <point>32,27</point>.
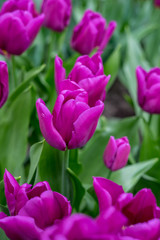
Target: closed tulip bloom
<point>72,122</point>
<point>116,153</point>
<point>148,88</point>
<point>87,73</point>
<point>4,88</point>
<point>19,25</point>
<point>92,32</point>
<point>57,14</point>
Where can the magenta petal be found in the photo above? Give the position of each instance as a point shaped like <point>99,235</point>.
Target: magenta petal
<point>4,88</point>
<point>20,228</point>
<point>67,85</point>
<point>108,34</point>
<point>110,152</point>
<point>38,189</point>
<point>59,73</point>
<point>34,26</point>
<point>107,192</point>
<point>141,85</point>
<point>11,189</point>
<point>95,87</point>
<point>85,126</point>
<point>47,128</point>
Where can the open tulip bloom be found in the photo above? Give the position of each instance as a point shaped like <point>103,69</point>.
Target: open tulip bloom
<point>72,122</point>
<point>19,25</point>
<point>87,73</point>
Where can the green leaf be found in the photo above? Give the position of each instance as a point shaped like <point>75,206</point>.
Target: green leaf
<point>28,78</point>
<point>14,132</point>
<point>111,66</point>
<point>74,164</point>
<point>35,153</point>
<point>78,189</point>
<point>3,235</point>
<point>130,175</point>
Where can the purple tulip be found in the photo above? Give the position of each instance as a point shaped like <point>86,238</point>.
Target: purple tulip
<point>32,209</point>
<point>92,32</point>
<point>82,227</point>
<point>138,209</point>
<point>72,122</point>
<point>116,153</point>
<point>148,87</point>
<point>57,14</point>
<point>4,88</point>
<point>157,3</point>
<point>19,25</point>
<point>87,73</point>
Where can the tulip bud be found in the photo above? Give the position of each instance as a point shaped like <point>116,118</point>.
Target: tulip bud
<point>4,89</point>
<point>19,25</point>
<point>116,153</point>
<point>57,14</point>
<point>92,32</point>
<point>148,88</point>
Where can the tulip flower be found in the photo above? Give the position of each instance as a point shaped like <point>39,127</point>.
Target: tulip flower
<point>148,87</point>
<point>4,88</point>
<point>87,73</point>
<point>92,32</point>
<point>32,209</point>
<point>104,227</point>
<point>157,3</point>
<point>19,25</point>
<point>138,209</point>
<point>72,122</point>
<point>57,14</point>
<point>116,153</point>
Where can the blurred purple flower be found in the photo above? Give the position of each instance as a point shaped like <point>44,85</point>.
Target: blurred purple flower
<point>4,88</point>
<point>32,209</point>
<point>92,32</point>
<point>157,3</point>
<point>116,153</point>
<point>19,25</point>
<point>82,227</point>
<point>72,122</point>
<point>138,209</point>
<point>87,73</point>
<point>57,14</point>
<point>148,87</point>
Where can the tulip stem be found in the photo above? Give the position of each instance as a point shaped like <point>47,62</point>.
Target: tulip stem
<point>109,174</point>
<point>64,183</point>
<point>13,71</point>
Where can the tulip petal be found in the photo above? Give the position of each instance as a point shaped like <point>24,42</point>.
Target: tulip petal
<point>110,152</point>
<point>59,73</point>
<point>95,87</point>
<point>108,34</point>
<point>34,26</point>
<point>141,84</point>
<point>20,228</point>
<point>4,87</point>
<point>85,125</point>
<point>107,192</point>
<point>47,128</point>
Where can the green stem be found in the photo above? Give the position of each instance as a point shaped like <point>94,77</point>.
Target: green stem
<point>14,71</point>
<point>64,182</point>
<point>109,174</point>
<point>150,119</point>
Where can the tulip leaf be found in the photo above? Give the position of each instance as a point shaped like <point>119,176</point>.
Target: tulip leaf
<point>111,66</point>
<point>3,235</point>
<point>74,164</point>
<point>78,189</point>
<point>28,78</point>
<point>35,153</point>
<point>130,175</point>
<point>14,132</point>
